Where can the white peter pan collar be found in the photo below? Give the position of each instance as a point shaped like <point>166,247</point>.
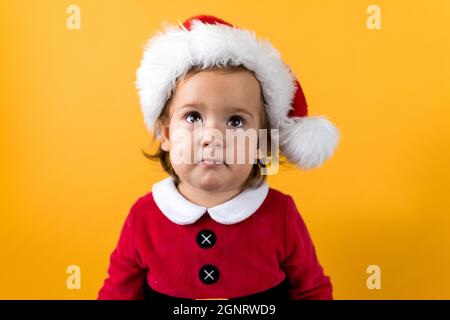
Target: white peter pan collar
<point>181,211</point>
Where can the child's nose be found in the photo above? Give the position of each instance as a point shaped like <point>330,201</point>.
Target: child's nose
<point>212,136</point>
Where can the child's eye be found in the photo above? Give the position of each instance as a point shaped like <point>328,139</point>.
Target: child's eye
<point>193,117</point>
<point>236,121</point>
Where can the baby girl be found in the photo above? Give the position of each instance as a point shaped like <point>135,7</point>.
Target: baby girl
<point>214,229</point>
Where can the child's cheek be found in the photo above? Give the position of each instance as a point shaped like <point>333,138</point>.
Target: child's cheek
<point>180,128</point>
<point>241,151</point>
<point>181,144</point>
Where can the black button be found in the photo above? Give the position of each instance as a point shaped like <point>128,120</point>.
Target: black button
<point>209,274</point>
<point>206,239</point>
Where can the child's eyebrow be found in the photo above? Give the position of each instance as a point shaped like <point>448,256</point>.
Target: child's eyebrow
<point>191,105</point>
<point>242,110</point>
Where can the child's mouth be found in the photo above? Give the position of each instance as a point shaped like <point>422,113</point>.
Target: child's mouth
<point>211,163</point>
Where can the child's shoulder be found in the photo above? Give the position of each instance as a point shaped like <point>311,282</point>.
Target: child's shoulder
<point>280,196</point>
<point>143,203</point>
<point>284,202</point>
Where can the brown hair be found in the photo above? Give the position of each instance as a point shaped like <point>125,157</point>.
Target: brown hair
<point>255,177</point>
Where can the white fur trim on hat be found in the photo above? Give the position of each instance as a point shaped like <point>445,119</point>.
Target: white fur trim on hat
<point>172,53</point>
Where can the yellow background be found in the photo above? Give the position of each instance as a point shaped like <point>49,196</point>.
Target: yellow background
<point>71,134</point>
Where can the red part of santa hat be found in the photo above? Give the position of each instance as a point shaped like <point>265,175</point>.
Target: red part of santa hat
<point>205,41</point>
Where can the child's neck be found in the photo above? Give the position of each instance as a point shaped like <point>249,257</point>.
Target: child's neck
<point>206,198</point>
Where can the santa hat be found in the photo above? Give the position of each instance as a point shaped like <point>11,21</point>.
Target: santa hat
<point>206,41</point>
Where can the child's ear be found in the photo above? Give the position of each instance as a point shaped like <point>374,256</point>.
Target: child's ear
<point>165,141</point>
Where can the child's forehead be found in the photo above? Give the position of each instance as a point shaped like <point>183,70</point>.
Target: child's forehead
<point>227,89</point>
<point>243,76</point>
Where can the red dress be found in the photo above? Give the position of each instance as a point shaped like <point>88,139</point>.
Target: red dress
<point>242,247</point>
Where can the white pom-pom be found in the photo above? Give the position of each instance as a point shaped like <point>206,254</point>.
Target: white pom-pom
<point>308,141</point>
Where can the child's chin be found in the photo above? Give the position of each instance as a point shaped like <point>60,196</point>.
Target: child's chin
<point>211,182</point>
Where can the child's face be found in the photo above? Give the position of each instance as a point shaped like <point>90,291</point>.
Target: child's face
<point>212,102</point>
